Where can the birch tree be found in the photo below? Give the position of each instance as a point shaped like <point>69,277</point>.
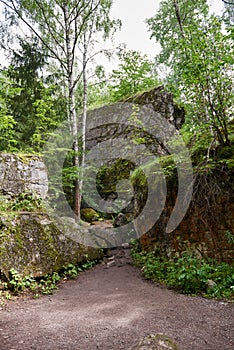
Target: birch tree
<point>200,56</point>
<point>60,26</point>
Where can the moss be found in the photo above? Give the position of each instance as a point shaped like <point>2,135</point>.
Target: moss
<point>109,175</point>
<point>89,215</point>
<point>25,158</point>
<point>32,244</point>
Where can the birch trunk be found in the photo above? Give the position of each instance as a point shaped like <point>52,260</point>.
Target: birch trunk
<point>84,114</point>
<point>72,112</point>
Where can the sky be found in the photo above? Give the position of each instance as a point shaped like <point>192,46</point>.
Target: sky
<point>134,29</point>
<point>133,14</point>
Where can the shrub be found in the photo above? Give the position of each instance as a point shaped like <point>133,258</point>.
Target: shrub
<point>188,274</point>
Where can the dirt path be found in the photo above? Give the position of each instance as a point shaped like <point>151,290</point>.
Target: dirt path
<point>111,309</point>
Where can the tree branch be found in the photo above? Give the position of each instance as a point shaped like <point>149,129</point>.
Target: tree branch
<point>17,12</point>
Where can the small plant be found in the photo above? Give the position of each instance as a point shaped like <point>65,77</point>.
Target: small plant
<point>21,202</point>
<point>230,237</point>
<point>7,295</point>
<point>71,271</point>
<point>18,283</point>
<point>44,285</point>
<point>48,283</point>
<point>27,202</point>
<point>188,274</point>
<point>191,274</point>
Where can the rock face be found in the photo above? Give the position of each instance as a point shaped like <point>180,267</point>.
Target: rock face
<point>22,175</point>
<point>159,100</point>
<point>207,228</point>
<point>162,102</point>
<point>33,244</point>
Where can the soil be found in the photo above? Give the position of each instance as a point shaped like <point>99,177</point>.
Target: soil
<point>111,307</point>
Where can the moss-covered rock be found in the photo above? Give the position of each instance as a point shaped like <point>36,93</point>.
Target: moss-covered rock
<point>33,244</point>
<point>89,215</point>
<point>156,342</point>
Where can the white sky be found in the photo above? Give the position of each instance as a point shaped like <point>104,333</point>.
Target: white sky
<point>133,14</point>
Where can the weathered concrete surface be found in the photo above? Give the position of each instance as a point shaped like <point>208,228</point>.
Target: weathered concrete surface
<point>32,241</point>
<point>22,174</point>
<point>207,229</point>
<point>33,244</point>
<point>111,122</point>
<point>161,101</point>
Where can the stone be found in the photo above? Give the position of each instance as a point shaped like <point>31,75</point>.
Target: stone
<point>89,214</point>
<point>23,174</point>
<point>156,342</point>
<point>210,284</point>
<point>126,246</point>
<point>34,244</point>
<point>120,220</point>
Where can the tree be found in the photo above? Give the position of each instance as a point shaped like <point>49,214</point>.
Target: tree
<point>229,6</point>
<point>99,22</point>
<point>168,25</point>
<point>201,58</point>
<point>37,106</point>
<point>60,26</point>
<point>7,122</point>
<point>135,73</point>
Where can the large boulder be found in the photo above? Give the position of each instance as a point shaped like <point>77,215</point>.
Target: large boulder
<point>158,99</point>
<point>32,241</point>
<point>35,244</point>
<point>22,174</point>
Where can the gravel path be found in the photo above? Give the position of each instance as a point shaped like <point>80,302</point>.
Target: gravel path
<point>112,309</point>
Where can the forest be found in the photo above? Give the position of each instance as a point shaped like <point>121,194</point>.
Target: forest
<point>54,74</point>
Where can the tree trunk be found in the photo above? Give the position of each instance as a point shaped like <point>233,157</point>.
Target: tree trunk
<point>178,16</point>
<point>76,163</point>
<point>72,112</point>
<point>84,114</point>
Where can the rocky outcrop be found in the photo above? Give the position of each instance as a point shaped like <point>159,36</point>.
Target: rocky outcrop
<point>34,244</point>
<point>22,174</point>
<point>158,100</point>
<point>161,101</point>
<point>207,228</point>
<point>31,241</point>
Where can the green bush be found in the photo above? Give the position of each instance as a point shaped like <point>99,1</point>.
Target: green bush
<point>43,285</point>
<point>188,274</point>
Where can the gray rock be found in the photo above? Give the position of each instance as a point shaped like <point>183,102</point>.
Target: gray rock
<point>120,220</point>
<point>210,284</point>
<point>34,244</point>
<point>22,174</point>
<point>156,342</point>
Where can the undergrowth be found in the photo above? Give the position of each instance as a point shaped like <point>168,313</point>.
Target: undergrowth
<point>21,202</point>
<point>17,284</point>
<point>188,274</point>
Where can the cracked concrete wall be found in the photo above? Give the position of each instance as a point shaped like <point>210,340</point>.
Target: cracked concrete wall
<point>22,174</point>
